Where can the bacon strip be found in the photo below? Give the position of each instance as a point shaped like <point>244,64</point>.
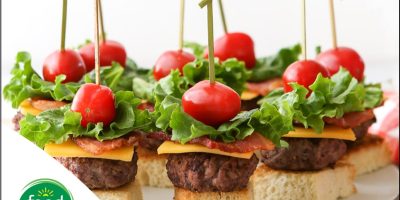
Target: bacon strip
<point>96,147</point>
<point>351,120</point>
<point>146,106</point>
<point>251,143</point>
<point>263,88</point>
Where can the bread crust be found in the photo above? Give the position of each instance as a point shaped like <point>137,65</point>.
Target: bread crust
<point>370,154</point>
<point>131,191</point>
<point>183,194</point>
<point>151,169</point>
<point>326,184</point>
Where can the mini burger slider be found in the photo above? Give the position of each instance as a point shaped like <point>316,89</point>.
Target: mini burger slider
<point>94,137</point>
<point>211,144</point>
<point>327,113</point>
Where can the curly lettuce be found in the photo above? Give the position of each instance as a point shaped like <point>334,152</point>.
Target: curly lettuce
<point>275,65</point>
<point>169,115</point>
<point>330,97</point>
<point>26,83</point>
<point>58,125</point>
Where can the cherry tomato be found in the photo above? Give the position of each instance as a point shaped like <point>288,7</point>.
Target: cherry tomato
<point>110,51</point>
<point>302,72</point>
<point>345,57</point>
<point>171,60</point>
<point>235,45</point>
<point>212,104</point>
<point>95,103</point>
<point>66,62</point>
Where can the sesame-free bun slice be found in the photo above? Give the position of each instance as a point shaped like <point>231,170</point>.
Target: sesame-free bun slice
<point>151,169</point>
<point>183,194</point>
<point>371,154</point>
<point>131,191</point>
<point>326,184</point>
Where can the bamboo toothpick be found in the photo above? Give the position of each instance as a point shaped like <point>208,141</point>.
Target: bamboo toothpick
<point>96,41</point>
<point>224,23</point>
<point>333,23</point>
<point>304,31</point>
<point>63,24</point>
<point>181,24</point>
<point>103,33</point>
<point>210,24</point>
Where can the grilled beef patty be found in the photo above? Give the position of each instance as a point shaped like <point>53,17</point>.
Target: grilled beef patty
<point>305,154</point>
<point>101,173</point>
<point>203,172</point>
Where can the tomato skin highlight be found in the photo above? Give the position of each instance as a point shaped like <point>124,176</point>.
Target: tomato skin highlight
<point>302,72</point>
<point>96,104</point>
<point>171,60</point>
<point>235,45</point>
<point>212,104</point>
<point>110,51</point>
<point>67,62</point>
<point>345,57</point>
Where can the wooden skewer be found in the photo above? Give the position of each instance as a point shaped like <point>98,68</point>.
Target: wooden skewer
<point>103,33</point>
<point>210,23</point>
<point>224,23</point>
<point>333,23</point>
<point>181,23</point>
<point>96,42</point>
<point>304,31</point>
<point>63,24</point>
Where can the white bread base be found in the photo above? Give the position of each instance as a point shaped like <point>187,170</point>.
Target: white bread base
<point>183,194</point>
<point>370,155</point>
<point>131,191</point>
<point>327,184</point>
<point>152,169</point>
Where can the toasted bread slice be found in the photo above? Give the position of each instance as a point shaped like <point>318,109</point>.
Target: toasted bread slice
<point>131,191</point>
<point>327,184</point>
<point>370,154</point>
<point>152,169</point>
<point>182,194</point>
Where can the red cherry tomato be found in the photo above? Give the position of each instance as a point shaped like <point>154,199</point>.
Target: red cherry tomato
<point>171,60</point>
<point>95,103</point>
<point>345,57</point>
<point>66,62</point>
<point>302,72</point>
<point>235,45</point>
<point>110,51</point>
<point>212,104</point>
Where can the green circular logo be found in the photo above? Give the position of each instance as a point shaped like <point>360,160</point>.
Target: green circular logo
<point>46,189</point>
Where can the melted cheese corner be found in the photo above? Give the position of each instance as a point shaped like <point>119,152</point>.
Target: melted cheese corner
<point>248,95</point>
<point>26,107</point>
<point>70,149</point>
<point>331,132</point>
<point>169,147</point>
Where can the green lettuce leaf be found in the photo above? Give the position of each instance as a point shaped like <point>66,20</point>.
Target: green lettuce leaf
<point>196,48</point>
<point>274,66</point>
<point>26,83</point>
<point>268,120</point>
<point>231,72</point>
<point>330,97</point>
<point>59,124</point>
<point>119,78</point>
